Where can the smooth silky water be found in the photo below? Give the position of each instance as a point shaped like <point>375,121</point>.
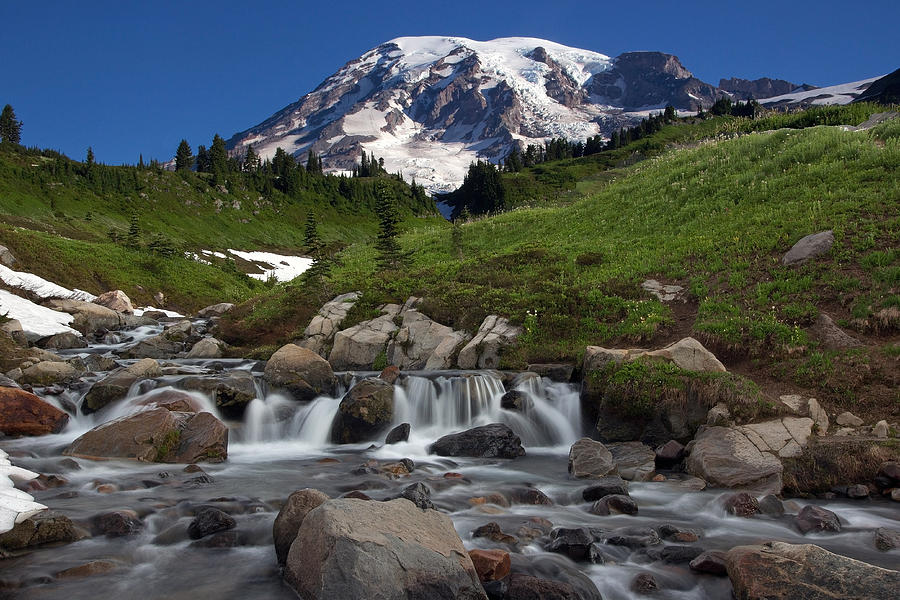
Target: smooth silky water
<point>282,445</point>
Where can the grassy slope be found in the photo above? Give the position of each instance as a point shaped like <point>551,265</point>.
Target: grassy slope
<point>715,218</point>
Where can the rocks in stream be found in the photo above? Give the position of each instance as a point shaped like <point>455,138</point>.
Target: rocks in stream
<point>777,570</point>
<point>156,435</point>
<point>347,548</point>
<point>725,457</point>
<point>23,413</point>
<point>364,412</point>
<point>814,519</point>
<point>116,384</point>
<point>605,486</point>
<point>291,515</point>
<point>590,459</point>
<point>741,504</point>
<point>46,527</point>
<point>634,461</point>
<point>491,565</point>
<point>488,441</point>
<point>118,523</point>
<point>886,539</point>
<point>302,372</point>
<point>231,391</point>
<point>209,520</point>
<point>614,504</point>
<point>398,434</point>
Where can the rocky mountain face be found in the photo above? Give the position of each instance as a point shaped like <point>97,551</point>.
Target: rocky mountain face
<point>429,106</point>
<point>744,89</point>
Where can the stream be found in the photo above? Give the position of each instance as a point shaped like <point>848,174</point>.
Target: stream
<point>282,445</point>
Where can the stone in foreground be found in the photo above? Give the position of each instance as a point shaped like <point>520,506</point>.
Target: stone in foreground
<point>488,441</point>
<point>23,413</point>
<point>348,548</point>
<point>590,459</point>
<point>781,571</point>
<point>302,372</point>
<point>725,457</point>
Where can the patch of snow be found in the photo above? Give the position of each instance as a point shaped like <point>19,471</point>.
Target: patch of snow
<point>169,313</point>
<point>15,505</point>
<point>213,253</point>
<point>281,267</point>
<point>40,286</point>
<point>37,321</point>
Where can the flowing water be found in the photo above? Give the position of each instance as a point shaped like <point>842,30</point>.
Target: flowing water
<point>282,445</point>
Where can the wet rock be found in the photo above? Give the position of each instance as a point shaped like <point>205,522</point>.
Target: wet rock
<point>771,505</point>
<point>673,554</point>
<point>887,539</point>
<point>529,495</point>
<point>62,341</point>
<point>515,400</point>
<point>46,527</point>
<point>725,457</point>
<point>572,542</point>
<point>390,374</point>
<point>398,434</point>
<point>156,435</point>
<point>632,537</point>
<point>48,373</point>
<point>741,504</point>
<point>561,373</point>
<point>208,521</point>
<point>23,413</point>
<point>215,310</point>
<point>527,587</point>
<point>808,247</point>
<point>848,419</point>
<point>118,523</point>
<point>365,411</point>
<point>301,372</point>
<point>634,461</point>
<point>644,583</point>
<point>208,347</point>
<point>115,300</point>
<point>221,539</point>
<point>614,504</point>
<point>857,491</point>
<point>173,400</point>
<point>485,349</point>
<point>805,572</point>
<point>605,486</point>
<point>490,565</point>
<point>493,532</point>
<point>590,459</point>
<point>355,549</point>
<point>711,562</point>
<point>88,317</point>
<point>158,346</point>
<point>488,441</point>
<point>231,391</point>
<point>815,518</point>
<point>291,515</point>
<point>115,386</point>
<point>419,494</point>
<point>888,475</point>
<point>670,454</point>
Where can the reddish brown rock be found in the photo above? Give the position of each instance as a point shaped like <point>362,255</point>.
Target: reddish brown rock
<point>390,374</point>
<point>95,567</point>
<point>23,413</point>
<point>490,565</point>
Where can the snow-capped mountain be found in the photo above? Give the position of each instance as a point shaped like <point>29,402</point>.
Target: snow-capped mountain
<point>429,106</point>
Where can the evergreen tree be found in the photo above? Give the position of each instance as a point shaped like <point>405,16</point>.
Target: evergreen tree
<point>218,159</point>
<point>184,158</point>
<point>10,127</point>
<point>482,190</point>
<point>141,165</point>
<point>89,159</point>
<point>203,165</point>
<point>134,233</point>
<point>321,265</point>
<point>313,163</point>
<point>386,244</point>
<point>251,160</point>
<point>312,243</point>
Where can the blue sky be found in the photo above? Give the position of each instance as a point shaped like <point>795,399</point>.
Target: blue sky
<point>131,77</point>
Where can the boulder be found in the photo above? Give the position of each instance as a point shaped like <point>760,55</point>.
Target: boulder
<point>419,494</point>
<point>575,543</point>
<point>771,505</point>
<point>670,454</point>
<point>848,419</point>
<point>115,300</point>
<point>118,523</point>
<point>89,569</point>
<point>391,374</point>
<point>289,518</point>
<point>13,327</point>
<point>614,504</point>
<point>725,457</point>
<point>690,355</point>
<point>48,373</point>
<point>398,434</point>
<point>485,349</point>
<point>559,372</point>
<point>301,372</point>
<point>319,334</point>
<point>644,584</point>
<point>179,331</point>
<point>156,435</point>
<point>215,310</point>
<point>209,520</point>
<point>634,461</point>
<point>46,527</point>
<point>62,341</point>
<point>488,441</point>
<point>807,407</point>
<point>23,413</point>
<point>711,562</point>
<point>231,391</point>
<point>115,386</point>
<point>159,346</point>
<point>87,316</point>
<point>605,486</point>
<point>359,346</point>
<point>422,343</point>
<point>741,504</point>
<point>347,548</point>
<point>785,437</point>
<point>208,347</point>
<point>172,400</point>
<point>364,413</point>
<point>887,539</point>
<point>815,519</point>
<point>491,565</point>
<point>528,587</point>
<point>778,570</point>
<point>6,257</point>
<point>881,429</point>
<point>515,400</point>
<point>590,459</point>
<point>830,336</point>
<point>808,247</point>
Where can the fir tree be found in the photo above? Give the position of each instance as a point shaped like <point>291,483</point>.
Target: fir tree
<point>313,163</point>
<point>312,243</point>
<point>251,160</point>
<point>89,159</point>
<point>10,127</point>
<point>386,244</point>
<point>203,165</point>
<point>218,159</point>
<point>184,158</point>
<point>134,233</point>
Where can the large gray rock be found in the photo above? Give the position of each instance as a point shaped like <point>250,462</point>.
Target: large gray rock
<point>781,571</point>
<point>690,355</point>
<point>725,457</point>
<point>421,343</point>
<point>348,548</point>
<point>785,437</point>
<point>830,336</point>
<point>208,347</point>
<point>319,334</point>
<point>156,435</point>
<point>231,391</point>
<point>158,346</point>
<point>87,316</point>
<point>801,406</point>
<point>115,386</point>
<point>46,527</point>
<point>808,247</point>
<point>301,372</point>
<point>485,349</point>
<point>47,373</point>
<point>215,310</point>
<point>62,341</point>
<point>289,518</point>
<point>359,346</point>
<point>488,441</point>
<point>634,461</point>
<point>365,412</point>
<point>6,257</point>
<point>590,459</point>
<point>115,300</point>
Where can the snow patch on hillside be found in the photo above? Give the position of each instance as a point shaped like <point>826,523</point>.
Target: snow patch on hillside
<point>37,321</point>
<point>279,266</point>
<point>40,286</point>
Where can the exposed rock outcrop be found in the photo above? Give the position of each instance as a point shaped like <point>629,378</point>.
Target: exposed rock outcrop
<point>115,300</point>
<point>359,346</point>
<point>319,334</point>
<point>485,349</point>
<point>725,457</point>
<point>422,343</point>
<point>590,459</point>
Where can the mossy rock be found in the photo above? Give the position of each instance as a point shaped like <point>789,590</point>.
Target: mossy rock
<point>366,411</point>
